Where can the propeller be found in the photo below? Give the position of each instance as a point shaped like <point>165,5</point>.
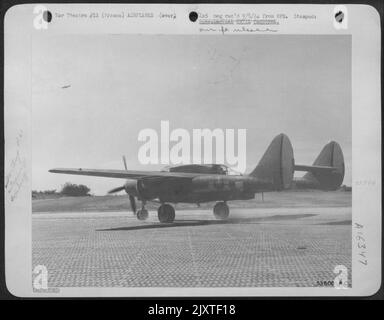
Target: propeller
<point>133,203</point>
<point>125,163</point>
<point>131,198</point>
<point>118,189</point>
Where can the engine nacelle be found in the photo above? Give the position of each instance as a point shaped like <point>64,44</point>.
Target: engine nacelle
<point>142,189</point>
<point>132,188</point>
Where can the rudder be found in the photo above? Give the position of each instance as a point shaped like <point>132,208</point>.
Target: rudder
<point>332,156</point>
<point>277,163</point>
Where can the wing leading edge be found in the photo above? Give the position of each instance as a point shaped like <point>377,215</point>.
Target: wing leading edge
<point>125,174</point>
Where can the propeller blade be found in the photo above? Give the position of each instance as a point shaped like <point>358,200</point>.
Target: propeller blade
<point>133,203</point>
<point>125,163</point>
<point>116,190</point>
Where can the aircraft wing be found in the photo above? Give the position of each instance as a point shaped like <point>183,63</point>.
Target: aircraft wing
<point>315,169</point>
<point>126,174</point>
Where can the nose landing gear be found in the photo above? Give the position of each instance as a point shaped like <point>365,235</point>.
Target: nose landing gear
<point>142,214</point>
<point>221,210</point>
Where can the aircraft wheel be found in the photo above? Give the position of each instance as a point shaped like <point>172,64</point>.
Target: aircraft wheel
<point>166,213</point>
<point>221,210</point>
<point>142,214</point>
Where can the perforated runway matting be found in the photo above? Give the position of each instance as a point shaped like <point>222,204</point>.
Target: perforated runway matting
<point>295,247</point>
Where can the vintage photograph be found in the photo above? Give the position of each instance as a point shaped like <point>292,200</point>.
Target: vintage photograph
<point>191,161</point>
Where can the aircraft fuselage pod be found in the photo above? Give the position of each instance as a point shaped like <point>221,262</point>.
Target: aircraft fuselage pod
<point>202,188</point>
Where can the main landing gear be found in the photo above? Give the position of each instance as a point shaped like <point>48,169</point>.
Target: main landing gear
<point>221,210</point>
<point>166,213</point>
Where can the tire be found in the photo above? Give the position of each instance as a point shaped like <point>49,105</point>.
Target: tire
<point>221,211</point>
<point>142,214</point>
<point>166,213</point>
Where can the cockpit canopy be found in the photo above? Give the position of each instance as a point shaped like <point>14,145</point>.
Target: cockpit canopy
<point>204,168</point>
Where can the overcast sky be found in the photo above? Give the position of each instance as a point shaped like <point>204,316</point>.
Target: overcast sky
<point>121,84</point>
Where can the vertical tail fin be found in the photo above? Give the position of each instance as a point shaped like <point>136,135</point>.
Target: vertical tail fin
<point>327,171</point>
<point>277,163</point>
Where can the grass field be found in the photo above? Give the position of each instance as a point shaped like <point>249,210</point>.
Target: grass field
<point>288,199</point>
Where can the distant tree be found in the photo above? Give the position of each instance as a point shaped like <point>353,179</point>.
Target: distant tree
<point>44,194</point>
<point>53,191</point>
<point>74,190</point>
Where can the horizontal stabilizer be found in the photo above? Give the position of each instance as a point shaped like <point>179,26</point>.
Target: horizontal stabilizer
<point>315,169</point>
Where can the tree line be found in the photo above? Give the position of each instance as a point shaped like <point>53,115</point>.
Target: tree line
<point>68,189</point>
